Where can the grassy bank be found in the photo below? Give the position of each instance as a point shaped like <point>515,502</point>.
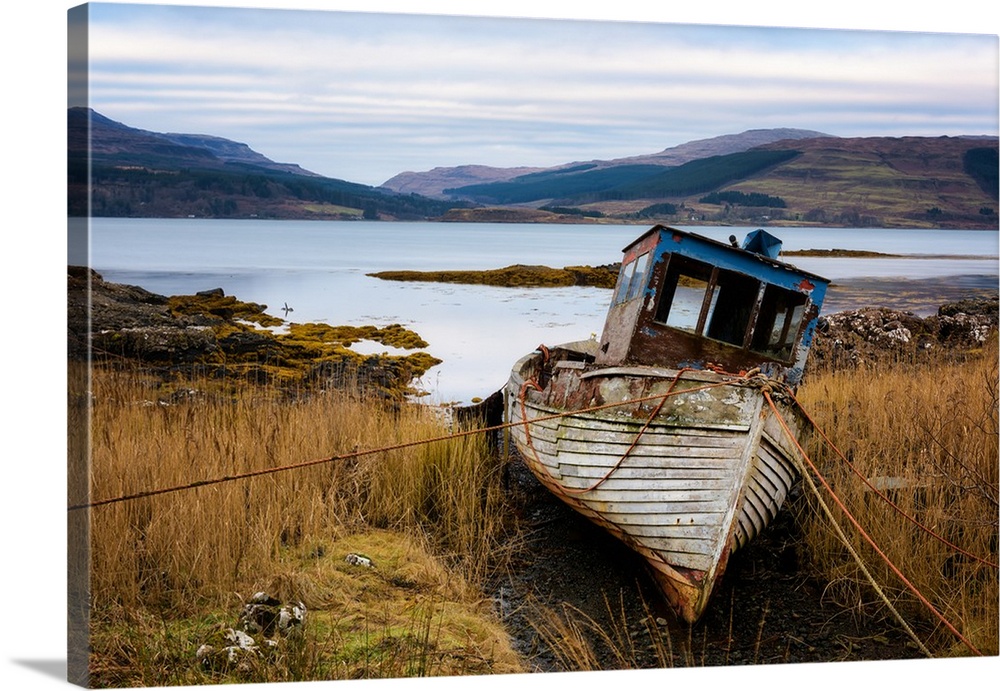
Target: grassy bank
<point>170,571</point>
<point>925,436</point>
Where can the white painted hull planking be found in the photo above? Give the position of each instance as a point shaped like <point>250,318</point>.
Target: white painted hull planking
<point>684,480</point>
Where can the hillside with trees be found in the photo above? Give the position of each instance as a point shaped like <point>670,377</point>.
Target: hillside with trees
<point>135,173</point>
<point>756,177</point>
<point>905,182</point>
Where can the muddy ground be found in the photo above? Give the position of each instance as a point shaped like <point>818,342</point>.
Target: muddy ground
<point>767,609</point>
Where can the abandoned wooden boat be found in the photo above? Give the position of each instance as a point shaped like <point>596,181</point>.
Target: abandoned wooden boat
<point>659,431</point>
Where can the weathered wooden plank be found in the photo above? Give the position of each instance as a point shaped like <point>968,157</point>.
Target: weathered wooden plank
<point>678,466</point>
<point>634,469</point>
<point>774,476</point>
<point>755,508</point>
<point>647,445</point>
<point>681,546</point>
<point>751,519</point>
<point>617,489</point>
<point>693,539</point>
<point>664,435</point>
<point>622,422</point>
<point>637,492</point>
<point>656,511</point>
<point>764,497</point>
<point>580,428</point>
<point>698,516</point>
<point>776,457</point>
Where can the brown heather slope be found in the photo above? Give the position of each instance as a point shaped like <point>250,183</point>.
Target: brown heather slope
<point>880,181</point>
<point>904,182</point>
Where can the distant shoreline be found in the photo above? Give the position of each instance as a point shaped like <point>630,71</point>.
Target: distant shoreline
<point>921,296</point>
<point>866,254</point>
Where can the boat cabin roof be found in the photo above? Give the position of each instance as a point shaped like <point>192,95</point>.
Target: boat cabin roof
<point>684,300</point>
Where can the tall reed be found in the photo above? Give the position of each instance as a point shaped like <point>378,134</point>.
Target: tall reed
<point>179,554</point>
<point>926,436</point>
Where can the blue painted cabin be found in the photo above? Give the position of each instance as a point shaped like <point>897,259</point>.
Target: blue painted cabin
<point>683,300</point>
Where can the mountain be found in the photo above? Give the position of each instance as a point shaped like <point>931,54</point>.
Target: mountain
<point>719,146</point>
<point>234,152</point>
<point>432,183</point>
<point>135,172</point>
<point>945,182</point>
<point>113,141</point>
<point>449,182</point>
<point>773,177</point>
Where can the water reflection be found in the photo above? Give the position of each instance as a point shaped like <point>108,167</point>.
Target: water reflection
<point>320,269</point>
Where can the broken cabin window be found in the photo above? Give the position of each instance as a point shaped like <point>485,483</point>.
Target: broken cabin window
<point>719,304</point>
<point>632,278</point>
<point>683,294</point>
<point>704,300</point>
<point>639,276</point>
<point>735,297</point>
<point>778,325</point>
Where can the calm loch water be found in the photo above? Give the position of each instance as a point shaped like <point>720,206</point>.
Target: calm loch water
<point>319,269</point>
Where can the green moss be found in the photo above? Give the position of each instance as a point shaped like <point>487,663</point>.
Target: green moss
<point>307,356</point>
<point>517,275</point>
<point>394,335</point>
<point>224,307</point>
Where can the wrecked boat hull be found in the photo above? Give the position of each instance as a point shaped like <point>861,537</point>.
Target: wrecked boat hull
<point>647,430</point>
<point>684,466</point>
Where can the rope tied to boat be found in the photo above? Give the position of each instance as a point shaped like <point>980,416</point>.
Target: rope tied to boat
<point>753,377</point>
<point>805,466</point>
<point>772,389</point>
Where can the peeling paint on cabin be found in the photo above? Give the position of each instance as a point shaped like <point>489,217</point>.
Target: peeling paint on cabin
<point>772,330</point>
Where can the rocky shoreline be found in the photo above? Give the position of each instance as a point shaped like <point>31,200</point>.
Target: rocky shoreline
<point>214,334</point>
<point>881,336</point>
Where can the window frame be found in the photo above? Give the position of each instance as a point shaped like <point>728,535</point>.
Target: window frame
<point>768,299</point>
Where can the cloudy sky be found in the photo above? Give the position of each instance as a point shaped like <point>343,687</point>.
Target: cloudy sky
<point>363,96</point>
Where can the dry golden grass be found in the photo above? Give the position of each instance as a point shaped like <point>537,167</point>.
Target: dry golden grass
<point>166,569</point>
<point>928,435</point>
<point>931,431</point>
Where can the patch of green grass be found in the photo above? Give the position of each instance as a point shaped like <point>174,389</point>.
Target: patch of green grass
<point>332,210</point>
<point>405,616</point>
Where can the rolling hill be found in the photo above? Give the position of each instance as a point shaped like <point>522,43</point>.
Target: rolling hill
<point>946,182</point>
<point>448,182</point>
<point>139,173</point>
<point>774,177</point>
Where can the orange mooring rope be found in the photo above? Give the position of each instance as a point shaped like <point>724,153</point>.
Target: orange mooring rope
<point>882,496</point>
<point>766,390</point>
<point>912,588</point>
<point>635,442</point>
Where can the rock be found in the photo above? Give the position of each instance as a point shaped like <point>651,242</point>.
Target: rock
<point>267,616</point>
<point>870,335</point>
<point>166,344</point>
<point>359,560</point>
<point>230,649</point>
